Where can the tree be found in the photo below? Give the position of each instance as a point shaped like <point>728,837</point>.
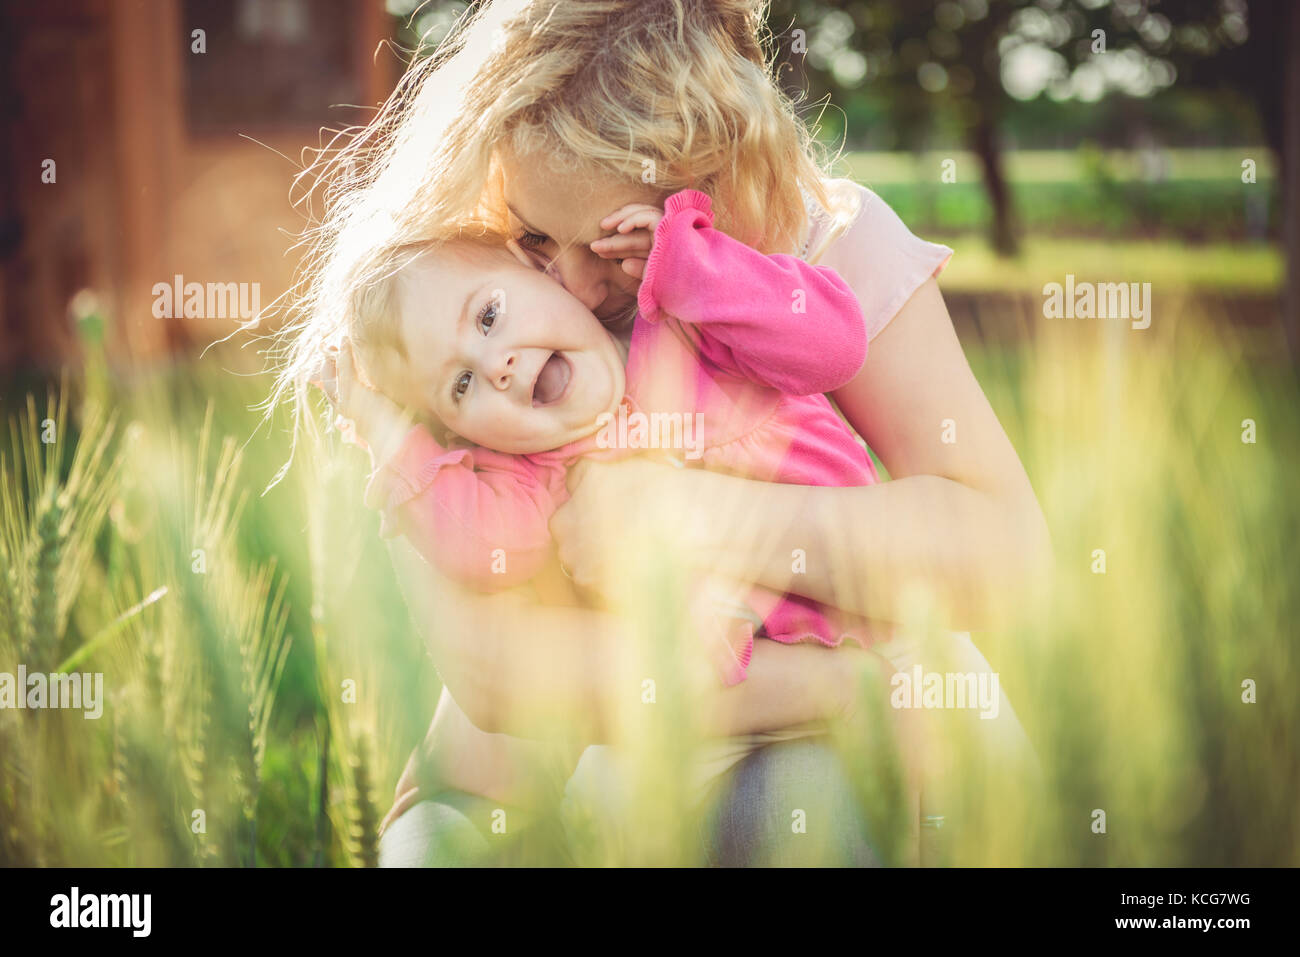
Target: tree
<point>926,58</point>
<point>922,57</point>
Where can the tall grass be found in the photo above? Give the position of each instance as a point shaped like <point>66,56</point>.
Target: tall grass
<point>190,642</point>
<point>261,669</point>
<point>1132,681</point>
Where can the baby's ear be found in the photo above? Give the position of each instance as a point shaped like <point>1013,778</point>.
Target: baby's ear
<point>441,434</point>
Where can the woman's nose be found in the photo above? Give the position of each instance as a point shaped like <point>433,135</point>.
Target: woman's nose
<point>584,275</point>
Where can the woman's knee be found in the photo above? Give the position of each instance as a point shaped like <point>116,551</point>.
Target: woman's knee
<point>791,804</point>
<point>456,829</point>
<point>433,833</point>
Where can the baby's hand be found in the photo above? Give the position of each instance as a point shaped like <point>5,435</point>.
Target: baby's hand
<point>379,421</point>
<point>637,224</point>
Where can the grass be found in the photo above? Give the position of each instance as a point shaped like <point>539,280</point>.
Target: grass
<point>1199,195</point>
<point>136,546</point>
<point>1061,166</point>
<point>279,690</point>
<point>1133,683</point>
<point>1222,268</point>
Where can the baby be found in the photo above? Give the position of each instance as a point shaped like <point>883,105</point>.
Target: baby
<point>517,381</point>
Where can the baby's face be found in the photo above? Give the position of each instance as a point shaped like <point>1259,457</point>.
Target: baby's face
<point>501,353</point>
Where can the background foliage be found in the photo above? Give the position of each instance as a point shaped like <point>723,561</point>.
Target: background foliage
<point>228,687</point>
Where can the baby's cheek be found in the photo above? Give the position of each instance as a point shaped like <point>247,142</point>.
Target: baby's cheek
<point>484,430</point>
<point>510,430</point>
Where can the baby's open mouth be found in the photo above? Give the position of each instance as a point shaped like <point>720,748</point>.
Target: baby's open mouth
<point>552,381</point>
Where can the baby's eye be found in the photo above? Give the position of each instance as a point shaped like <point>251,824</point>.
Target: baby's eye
<point>487,316</point>
<point>461,385</point>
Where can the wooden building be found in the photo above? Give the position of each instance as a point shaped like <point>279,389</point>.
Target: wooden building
<point>128,161</point>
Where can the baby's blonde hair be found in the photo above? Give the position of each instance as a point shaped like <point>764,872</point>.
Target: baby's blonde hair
<point>372,318</point>
<point>667,93</point>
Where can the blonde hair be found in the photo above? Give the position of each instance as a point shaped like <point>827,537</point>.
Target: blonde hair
<point>372,317</point>
<point>681,89</point>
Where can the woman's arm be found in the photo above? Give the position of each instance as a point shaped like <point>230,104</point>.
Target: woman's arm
<point>575,675</point>
<point>455,755</point>
<point>788,685</point>
<point>959,516</point>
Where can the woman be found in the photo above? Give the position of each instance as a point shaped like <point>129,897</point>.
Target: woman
<point>626,102</point>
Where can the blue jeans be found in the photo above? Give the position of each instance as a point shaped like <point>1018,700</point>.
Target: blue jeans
<point>748,822</point>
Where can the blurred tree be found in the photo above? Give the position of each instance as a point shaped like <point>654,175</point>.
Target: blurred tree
<point>922,56</point>
<point>967,59</point>
<point>1252,46</point>
<point>1290,177</point>
<point>422,24</point>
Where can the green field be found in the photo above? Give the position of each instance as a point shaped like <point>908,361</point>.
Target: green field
<point>1059,166</point>
<point>1199,196</point>
<point>1130,682</point>
<point>1250,269</point>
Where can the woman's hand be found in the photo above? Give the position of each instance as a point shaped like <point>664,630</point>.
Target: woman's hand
<point>633,503</point>
<point>636,224</point>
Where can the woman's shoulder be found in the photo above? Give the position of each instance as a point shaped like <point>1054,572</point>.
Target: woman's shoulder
<point>868,244</point>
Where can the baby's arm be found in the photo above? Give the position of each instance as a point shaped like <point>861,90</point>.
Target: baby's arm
<point>777,320</point>
<point>478,516</point>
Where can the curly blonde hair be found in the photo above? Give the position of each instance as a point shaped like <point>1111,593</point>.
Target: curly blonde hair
<point>685,88</point>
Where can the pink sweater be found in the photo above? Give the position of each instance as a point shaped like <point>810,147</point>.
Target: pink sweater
<point>741,344</point>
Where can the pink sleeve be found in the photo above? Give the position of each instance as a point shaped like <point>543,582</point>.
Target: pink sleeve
<point>480,517</point>
<point>891,262</point>
<point>773,319</point>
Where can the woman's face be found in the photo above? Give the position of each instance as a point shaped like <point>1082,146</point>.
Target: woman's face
<point>555,215</point>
